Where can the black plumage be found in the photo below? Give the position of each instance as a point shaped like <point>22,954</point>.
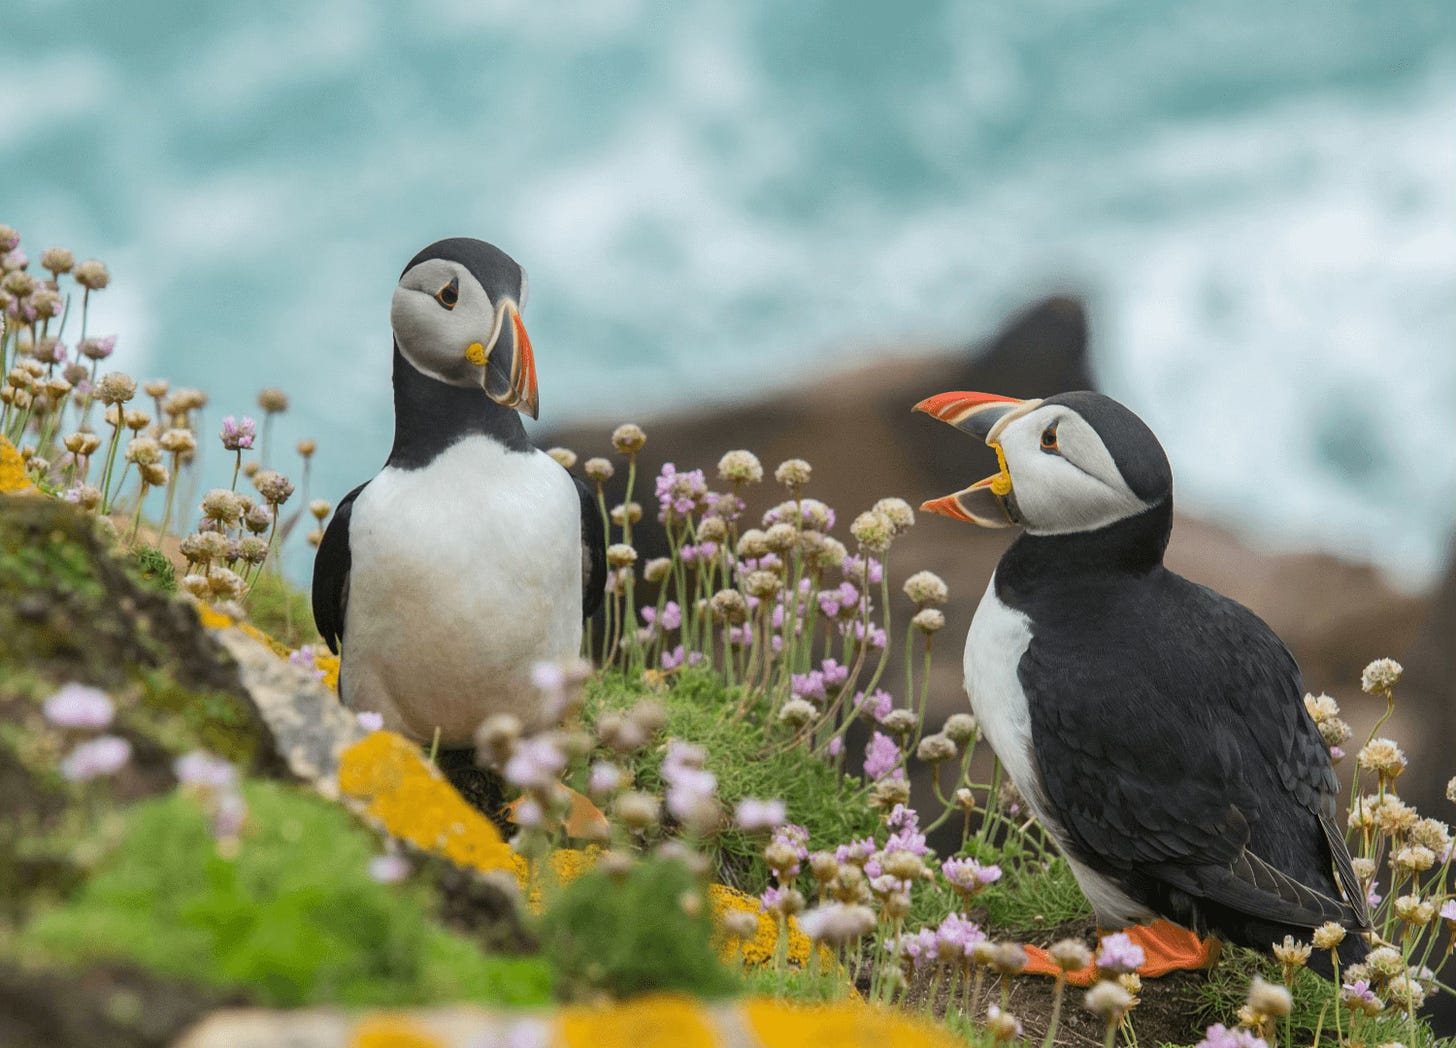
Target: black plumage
<point>1172,741</point>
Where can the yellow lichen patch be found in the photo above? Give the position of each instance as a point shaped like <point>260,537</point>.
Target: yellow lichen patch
<point>759,949</point>
<point>213,620</point>
<point>392,1031</point>
<point>330,665</point>
<point>647,1022</point>
<point>414,803</point>
<point>12,469</point>
<point>778,1024</point>
<point>567,864</point>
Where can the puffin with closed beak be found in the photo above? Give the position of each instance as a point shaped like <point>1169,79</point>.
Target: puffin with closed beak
<point>472,555</point>
<point>1156,728</point>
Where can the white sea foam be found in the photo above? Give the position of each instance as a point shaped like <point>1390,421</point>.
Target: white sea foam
<point>713,200</point>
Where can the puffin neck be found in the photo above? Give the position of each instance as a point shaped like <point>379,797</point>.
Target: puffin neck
<point>430,416</point>
<point>1133,546</point>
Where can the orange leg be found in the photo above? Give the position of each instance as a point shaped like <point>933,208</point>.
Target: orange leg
<point>1166,948</point>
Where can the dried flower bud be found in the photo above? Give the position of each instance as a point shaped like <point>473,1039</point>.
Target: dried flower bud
<point>888,792</point>
<point>873,531</point>
<point>1009,958</point>
<point>628,512</point>
<point>1269,999</point>
<point>638,811</point>
<point>224,505</point>
<point>741,467</point>
<point>306,447</point>
<point>964,799</point>
<point>196,585</point>
<point>926,588</point>
<point>91,275</point>
<point>961,728</point>
<point>224,583</point>
<point>142,450</point>
<point>896,906</point>
<point>796,713</point>
<point>57,259</point>
<point>1328,936</point>
<point>257,520</point>
<point>928,620</point>
<point>620,555</point>
<point>1070,955</point>
<point>564,456</point>
<point>793,473</point>
<point>713,529</point>
<point>1380,677</point>
<point>738,924</point>
<point>780,538</point>
<point>628,438</point>
<point>1292,954</point>
<point>599,470</point>
<point>273,400</point>
<point>762,584</point>
<point>1108,1000</point>
<point>115,388</point>
<point>154,474</point>
<point>752,544</point>
<point>657,569</point>
<point>273,486</point>
<point>178,441</point>
<point>900,722</point>
<point>728,606</point>
<point>1382,756</point>
<point>897,512</point>
<point>936,748</point>
<point>1415,911</point>
<point>46,302</point>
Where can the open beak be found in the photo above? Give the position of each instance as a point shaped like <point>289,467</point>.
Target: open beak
<point>989,502</point>
<point>509,375</point>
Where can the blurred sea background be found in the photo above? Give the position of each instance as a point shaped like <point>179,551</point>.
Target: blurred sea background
<point>717,199</point>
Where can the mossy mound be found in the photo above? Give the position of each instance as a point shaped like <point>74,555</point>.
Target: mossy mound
<point>73,610</point>
<point>293,918</point>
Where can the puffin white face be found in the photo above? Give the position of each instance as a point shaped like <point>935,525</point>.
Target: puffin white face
<point>1072,463</point>
<point>448,327</point>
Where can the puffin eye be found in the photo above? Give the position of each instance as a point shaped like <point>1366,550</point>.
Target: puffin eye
<point>448,295</point>
<point>1049,438</point>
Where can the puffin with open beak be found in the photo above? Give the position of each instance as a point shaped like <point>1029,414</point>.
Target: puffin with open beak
<point>471,556</point>
<point>1156,728</point>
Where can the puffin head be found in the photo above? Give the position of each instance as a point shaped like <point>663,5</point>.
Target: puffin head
<point>1071,463</point>
<point>456,316</point>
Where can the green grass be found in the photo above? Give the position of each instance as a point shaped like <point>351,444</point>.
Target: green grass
<point>646,930</point>
<point>281,611</point>
<point>700,709</point>
<point>294,919</point>
<point>1217,1000</point>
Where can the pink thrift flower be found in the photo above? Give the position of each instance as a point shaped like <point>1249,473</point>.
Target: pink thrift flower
<point>202,769</point>
<point>303,659</point>
<point>753,814</point>
<point>96,758</point>
<point>369,720</point>
<point>79,706</point>
<point>238,436</point>
<point>1118,953</point>
<point>389,868</point>
<point>882,756</point>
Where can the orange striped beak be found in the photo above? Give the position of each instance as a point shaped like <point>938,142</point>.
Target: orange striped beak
<point>987,502</point>
<point>509,362</point>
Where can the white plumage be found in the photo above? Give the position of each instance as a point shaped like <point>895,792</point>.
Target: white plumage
<point>466,572</point>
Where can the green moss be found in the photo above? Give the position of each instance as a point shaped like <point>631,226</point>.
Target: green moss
<point>151,566</point>
<point>181,719</point>
<point>649,930</point>
<point>294,919</point>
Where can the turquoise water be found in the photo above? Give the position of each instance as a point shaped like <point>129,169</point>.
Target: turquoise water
<point>713,199</point>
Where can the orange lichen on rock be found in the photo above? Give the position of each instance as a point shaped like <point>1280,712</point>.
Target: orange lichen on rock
<point>12,469</point>
<point>415,803</point>
<point>657,1021</point>
<point>778,1024</point>
<point>387,1030</point>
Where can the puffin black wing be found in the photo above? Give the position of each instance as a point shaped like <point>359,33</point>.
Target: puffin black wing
<point>593,552</point>
<point>331,573</point>
<point>1175,750</point>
